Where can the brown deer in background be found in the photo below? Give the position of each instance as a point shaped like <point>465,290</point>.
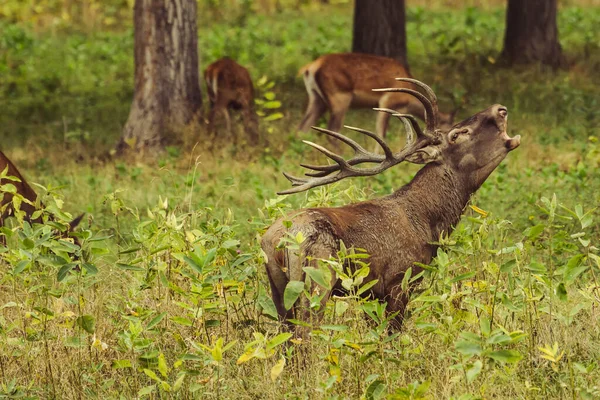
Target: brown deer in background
<point>397,230</point>
<point>229,85</point>
<point>336,82</point>
<point>26,191</point>
<point>22,188</point>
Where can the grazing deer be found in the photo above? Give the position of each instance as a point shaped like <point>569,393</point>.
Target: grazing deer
<point>25,190</point>
<point>229,86</point>
<point>336,82</point>
<point>400,229</point>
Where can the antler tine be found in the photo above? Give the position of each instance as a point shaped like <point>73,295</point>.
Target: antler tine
<point>295,180</point>
<point>355,146</point>
<point>335,157</point>
<point>414,124</point>
<point>430,111</point>
<point>410,122</point>
<point>386,149</point>
<point>410,134</point>
<point>425,87</point>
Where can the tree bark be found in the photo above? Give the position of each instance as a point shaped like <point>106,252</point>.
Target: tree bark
<point>531,33</point>
<point>167,89</point>
<point>380,28</point>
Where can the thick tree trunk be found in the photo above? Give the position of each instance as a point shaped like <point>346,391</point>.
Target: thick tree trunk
<point>167,89</point>
<point>531,34</point>
<point>380,28</point>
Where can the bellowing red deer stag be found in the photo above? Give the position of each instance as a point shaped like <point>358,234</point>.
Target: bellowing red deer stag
<point>336,82</point>
<point>397,230</point>
<point>229,85</point>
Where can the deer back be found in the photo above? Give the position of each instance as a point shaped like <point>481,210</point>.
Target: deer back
<point>357,73</point>
<point>229,84</point>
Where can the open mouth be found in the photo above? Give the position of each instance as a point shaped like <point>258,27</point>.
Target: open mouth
<point>511,143</point>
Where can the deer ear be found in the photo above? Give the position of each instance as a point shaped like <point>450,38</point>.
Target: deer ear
<point>425,155</point>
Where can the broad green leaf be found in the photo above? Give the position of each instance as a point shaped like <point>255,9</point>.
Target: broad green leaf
<point>278,340</point>
<point>277,369</point>
<point>341,307</point>
<point>506,356</point>
<point>462,277</point>
<point>508,266</point>
<point>21,265</point>
<point>182,321</point>
<point>573,273</point>
<point>151,374</point>
<point>468,348</point>
<point>484,325</point>
<point>442,257</point>
<point>320,276</point>
<point>63,272</point>
<point>87,323</point>
<point>534,232</point>
<point>272,104</point>
<point>145,391</point>
<point>120,364</point>
<point>561,291</point>
<point>193,264</point>
<point>179,382</point>
<point>273,117</point>
<point>367,286</point>
<point>473,371</point>
<point>375,391</point>
<point>267,305</point>
<point>130,267</point>
<point>291,293</point>
<point>162,365</point>
<point>91,269</point>
<point>156,320</point>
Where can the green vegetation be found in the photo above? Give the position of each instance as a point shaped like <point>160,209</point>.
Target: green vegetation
<point>167,296</point>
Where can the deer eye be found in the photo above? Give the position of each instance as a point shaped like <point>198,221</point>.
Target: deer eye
<point>464,131</point>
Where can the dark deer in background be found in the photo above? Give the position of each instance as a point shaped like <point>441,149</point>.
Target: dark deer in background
<point>229,86</point>
<point>26,191</point>
<point>336,82</point>
<point>397,230</point>
<point>21,187</point>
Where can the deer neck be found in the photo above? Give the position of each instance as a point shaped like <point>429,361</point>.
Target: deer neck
<point>435,199</point>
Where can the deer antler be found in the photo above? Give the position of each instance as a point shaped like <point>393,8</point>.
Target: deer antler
<point>416,140</point>
<point>429,102</point>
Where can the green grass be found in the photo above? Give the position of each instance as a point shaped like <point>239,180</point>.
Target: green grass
<point>163,282</point>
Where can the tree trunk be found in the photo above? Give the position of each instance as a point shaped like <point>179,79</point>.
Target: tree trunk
<point>531,34</point>
<point>167,89</point>
<point>380,28</point>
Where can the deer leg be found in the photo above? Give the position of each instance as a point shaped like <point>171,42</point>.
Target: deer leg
<point>227,120</point>
<point>250,121</point>
<point>339,105</point>
<point>396,304</point>
<point>315,109</point>
<point>211,118</point>
<point>278,282</point>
